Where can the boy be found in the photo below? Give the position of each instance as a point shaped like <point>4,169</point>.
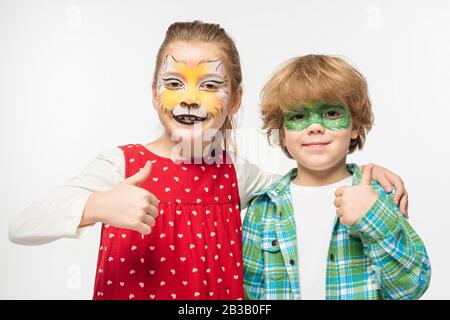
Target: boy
<point>324,231</point>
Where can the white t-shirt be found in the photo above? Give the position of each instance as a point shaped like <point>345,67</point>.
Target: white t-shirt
<point>314,215</point>
<point>58,213</point>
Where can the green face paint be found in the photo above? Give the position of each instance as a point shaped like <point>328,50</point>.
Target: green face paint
<point>328,115</point>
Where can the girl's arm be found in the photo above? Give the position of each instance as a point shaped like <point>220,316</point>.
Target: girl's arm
<point>59,213</point>
<point>251,179</point>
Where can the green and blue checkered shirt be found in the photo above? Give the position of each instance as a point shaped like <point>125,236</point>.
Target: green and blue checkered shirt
<point>378,257</point>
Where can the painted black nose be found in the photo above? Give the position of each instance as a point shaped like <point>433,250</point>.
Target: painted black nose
<point>189,105</point>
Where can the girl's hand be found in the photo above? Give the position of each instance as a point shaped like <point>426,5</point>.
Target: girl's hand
<point>387,179</point>
<point>126,206</point>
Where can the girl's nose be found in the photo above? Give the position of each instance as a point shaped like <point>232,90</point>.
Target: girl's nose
<point>189,105</point>
<point>191,98</point>
<point>315,128</point>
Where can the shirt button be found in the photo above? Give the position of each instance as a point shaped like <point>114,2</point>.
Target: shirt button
<point>274,242</point>
<point>277,190</point>
<point>332,257</point>
<point>292,262</point>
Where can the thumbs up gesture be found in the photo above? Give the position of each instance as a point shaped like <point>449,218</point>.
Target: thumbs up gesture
<point>352,202</point>
<point>126,206</point>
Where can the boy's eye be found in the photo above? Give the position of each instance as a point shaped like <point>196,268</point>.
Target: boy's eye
<point>332,114</point>
<point>298,117</point>
<point>173,84</point>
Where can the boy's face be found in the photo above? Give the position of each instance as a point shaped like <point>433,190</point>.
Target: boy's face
<point>318,135</point>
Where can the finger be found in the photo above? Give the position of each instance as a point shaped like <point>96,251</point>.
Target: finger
<point>399,187</point>
<point>366,175</point>
<point>145,229</point>
<point>383,180</point>
<point>404,205</point>
<point>340,191</point>
<point>148,220</point>
<point>141,176</point>
<point>152,199</point>
<point>151,210</point>
<point>338,202</point>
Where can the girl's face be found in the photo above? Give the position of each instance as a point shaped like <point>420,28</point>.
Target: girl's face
<point>192,94</point>
<point>318,136</point>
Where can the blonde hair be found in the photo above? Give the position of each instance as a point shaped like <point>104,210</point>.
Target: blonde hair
<point>307,78</point>
<point>209,33</point>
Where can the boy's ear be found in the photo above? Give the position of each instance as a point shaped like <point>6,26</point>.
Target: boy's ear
<point>355,133</point>
<point>236,102</point>
<point>282,136</point>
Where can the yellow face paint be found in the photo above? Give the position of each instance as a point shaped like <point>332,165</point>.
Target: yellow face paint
<point>192,92</point>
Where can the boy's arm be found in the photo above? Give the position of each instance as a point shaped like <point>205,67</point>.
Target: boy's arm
<point>395,250</point>
<point>253,258</point>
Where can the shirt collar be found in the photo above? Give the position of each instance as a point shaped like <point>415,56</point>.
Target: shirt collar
<point>282,186</point>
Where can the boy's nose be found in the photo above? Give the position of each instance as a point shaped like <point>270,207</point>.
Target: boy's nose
<point>315,128</point>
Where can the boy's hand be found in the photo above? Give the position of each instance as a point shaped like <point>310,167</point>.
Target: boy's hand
<point>126,206</point>
<point>387,179</point>
<point>352,202</point>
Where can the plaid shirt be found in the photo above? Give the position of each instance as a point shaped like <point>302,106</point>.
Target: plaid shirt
<point>378,257</point>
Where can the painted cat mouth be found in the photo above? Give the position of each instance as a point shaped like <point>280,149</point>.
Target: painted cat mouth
<point>188,119</point>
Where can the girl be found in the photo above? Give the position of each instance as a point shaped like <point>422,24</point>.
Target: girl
<point>170,209</point>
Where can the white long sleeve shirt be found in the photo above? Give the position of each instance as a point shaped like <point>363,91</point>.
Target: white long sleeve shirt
<point>58,213</point>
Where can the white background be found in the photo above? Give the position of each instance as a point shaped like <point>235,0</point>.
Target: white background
<point>75,78</point>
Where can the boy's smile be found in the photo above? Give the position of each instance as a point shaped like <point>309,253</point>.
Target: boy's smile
<point>315,145</point>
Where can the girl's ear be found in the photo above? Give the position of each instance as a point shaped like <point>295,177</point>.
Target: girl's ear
<point>154,96</point>
<point>236,102</point>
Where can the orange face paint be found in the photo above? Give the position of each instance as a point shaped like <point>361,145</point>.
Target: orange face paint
<point>197,89</point>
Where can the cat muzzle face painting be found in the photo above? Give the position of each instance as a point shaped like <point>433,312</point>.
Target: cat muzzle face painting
<point>192,92</point>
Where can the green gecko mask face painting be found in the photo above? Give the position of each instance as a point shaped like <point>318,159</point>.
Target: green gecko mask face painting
<point>332,116</point>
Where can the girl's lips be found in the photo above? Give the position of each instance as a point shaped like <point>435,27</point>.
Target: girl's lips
<point>188,119</point>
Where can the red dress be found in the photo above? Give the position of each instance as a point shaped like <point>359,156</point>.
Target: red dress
<point>195,248</point>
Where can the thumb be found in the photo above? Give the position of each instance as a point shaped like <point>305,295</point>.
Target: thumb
<point>366,175</point>
<point>139,177</point>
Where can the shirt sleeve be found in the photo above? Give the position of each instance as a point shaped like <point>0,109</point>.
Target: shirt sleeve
<point>251,179</point>
<point>252,255</point>
<point>58,213</point>
<point>395,249</point>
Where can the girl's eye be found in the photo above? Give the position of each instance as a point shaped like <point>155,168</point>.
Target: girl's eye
<point>173,84</point>
<point>332,114</point>
<point>210,86</point>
